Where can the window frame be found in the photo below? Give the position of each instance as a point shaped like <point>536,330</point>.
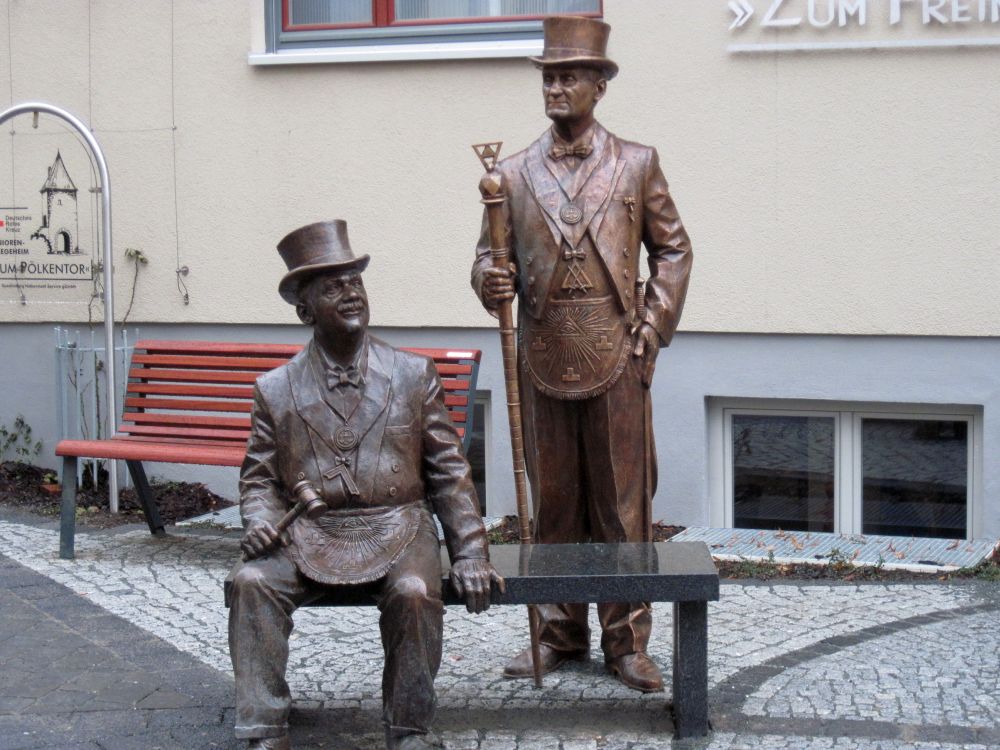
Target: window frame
<point>384,16</point>
<point>433,39</point>
<point>848,479</point>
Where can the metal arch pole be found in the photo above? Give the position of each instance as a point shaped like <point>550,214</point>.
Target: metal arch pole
<point>109,290</point>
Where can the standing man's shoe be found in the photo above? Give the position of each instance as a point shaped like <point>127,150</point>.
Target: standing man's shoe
<point>636,671</point>
<point>271,743</point>
<point>521,665</point>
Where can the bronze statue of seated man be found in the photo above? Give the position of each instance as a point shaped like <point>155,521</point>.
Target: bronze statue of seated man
<point>365,426</point>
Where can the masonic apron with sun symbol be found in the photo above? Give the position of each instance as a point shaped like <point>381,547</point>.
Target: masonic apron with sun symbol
<point>579,345</point>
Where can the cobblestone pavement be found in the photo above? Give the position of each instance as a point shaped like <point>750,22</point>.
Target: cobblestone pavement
<point>896,679</point>
<point>802,667</point>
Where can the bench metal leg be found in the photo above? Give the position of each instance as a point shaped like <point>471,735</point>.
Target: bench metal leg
<point>145,493</point>
<point>67,513</point>
<point>690,669</point>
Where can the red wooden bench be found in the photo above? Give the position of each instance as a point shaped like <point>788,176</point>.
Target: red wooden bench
<point>189,402</point>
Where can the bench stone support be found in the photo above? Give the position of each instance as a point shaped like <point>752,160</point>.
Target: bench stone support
<point>146,499</point>
<point>67,513</point>
<point>690,695</point>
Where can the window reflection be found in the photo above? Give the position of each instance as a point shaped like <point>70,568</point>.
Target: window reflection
<point>336,12</point>
<point>326,12</point>
<point>783,472</point>
<point>414,9</point>
<point>915,480</point>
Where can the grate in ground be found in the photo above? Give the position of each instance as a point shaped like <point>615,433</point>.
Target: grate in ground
<point>894,552</point>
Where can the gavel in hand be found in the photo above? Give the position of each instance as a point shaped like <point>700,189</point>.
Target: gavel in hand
<point>307,500</point>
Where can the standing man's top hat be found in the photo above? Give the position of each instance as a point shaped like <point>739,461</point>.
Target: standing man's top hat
<point>574,40</point>
<point>316,248</point>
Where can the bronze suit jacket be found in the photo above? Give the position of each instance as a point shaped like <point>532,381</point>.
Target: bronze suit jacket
<point>408,451</point>
<point>625,201</point>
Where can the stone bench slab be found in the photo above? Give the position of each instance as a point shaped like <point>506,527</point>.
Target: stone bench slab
<point>678,572</point>
<point>571,573</point>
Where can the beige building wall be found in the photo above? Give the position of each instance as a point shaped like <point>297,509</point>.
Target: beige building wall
<point>850,192</point>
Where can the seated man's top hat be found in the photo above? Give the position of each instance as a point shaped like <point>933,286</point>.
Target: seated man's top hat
<point>574,40</point>
<point>316,248</point>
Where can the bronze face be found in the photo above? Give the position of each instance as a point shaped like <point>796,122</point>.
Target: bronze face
<point>335,303</point>
<point>571,92</point>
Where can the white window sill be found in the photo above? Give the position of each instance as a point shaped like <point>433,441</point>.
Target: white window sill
<point>477,50</point>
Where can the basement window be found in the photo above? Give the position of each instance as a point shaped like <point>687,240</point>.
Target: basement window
<point>851,468</point>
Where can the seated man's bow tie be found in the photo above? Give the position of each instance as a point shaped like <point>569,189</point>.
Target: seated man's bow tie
<point>583,150</point>
<point>344,376</point>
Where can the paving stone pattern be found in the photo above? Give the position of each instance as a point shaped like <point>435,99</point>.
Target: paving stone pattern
<point>783,742</point>
<point>920,676</point>
<point>770,662</point>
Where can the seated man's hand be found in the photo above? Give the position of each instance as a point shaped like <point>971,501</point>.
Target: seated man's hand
<point>498,285</point>
<point>259,540</point>
<point>472,580</point>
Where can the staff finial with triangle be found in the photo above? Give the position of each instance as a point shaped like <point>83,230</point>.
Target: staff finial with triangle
<point>488,153</point>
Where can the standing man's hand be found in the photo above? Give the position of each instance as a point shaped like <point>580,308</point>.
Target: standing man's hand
<point>498,285</point>
<point>472,580</point>
<point>259,540</point>
<point>647,346</point>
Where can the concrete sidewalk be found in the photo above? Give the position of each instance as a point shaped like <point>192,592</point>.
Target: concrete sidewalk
<point>125,647</point>
<point>75,676</point>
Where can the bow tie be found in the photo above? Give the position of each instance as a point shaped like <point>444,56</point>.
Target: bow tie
<point>344,376</point>
<point>583,150</point>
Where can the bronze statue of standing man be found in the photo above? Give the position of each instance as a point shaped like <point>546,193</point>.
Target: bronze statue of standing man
<point>580,203</point>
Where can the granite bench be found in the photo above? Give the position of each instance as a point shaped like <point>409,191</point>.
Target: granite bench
<point>678,572</point>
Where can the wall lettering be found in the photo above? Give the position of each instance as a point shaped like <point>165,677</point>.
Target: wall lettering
<point>789,18</point>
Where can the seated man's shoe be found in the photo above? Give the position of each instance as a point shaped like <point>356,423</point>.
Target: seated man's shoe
<point>271,743</point>
<point>521,665</point>
<point>637,671</point>
<point>418,742</point>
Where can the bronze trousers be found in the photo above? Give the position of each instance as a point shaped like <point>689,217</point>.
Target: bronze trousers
<point>592,468</point>
<point>267,591</point>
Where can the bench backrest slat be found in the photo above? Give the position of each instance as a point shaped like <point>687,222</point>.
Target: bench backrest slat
<point>178,404</point>
<point>211,421</point>
<point>187,442</point>
<point>156,346</point>
<point>195,391</point>
<point>182,389</point>
<point>212,363</point>
<point>228,436</point>
<point>194,376</point>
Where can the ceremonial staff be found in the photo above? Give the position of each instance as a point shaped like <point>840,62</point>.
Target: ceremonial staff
<point>491,186</point>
